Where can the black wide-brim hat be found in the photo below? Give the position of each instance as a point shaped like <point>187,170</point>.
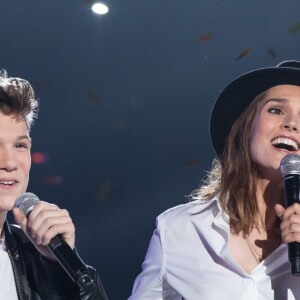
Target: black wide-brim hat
<point>234,99</point>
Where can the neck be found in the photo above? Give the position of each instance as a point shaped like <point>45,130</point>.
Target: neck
<point>268,194</point>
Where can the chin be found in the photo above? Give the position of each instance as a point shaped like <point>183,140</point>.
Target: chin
<point>7,204</point>
<point>269,172</point>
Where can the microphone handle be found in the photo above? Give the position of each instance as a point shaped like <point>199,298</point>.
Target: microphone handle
<point>292,195</point>
<point>71,263</point>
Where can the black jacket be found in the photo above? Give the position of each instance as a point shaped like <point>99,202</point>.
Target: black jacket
<point>39,279</point>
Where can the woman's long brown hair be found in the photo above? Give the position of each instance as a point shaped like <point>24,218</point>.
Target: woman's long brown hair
<point>234,175</point>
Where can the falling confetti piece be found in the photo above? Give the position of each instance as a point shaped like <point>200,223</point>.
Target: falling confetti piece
<point>39,158</point>
<point>206,37</point>
<point>94,97</point>
<point>120,125</point>
<point>39,85</point>
<point>88,1</point>
<point>192,162</point>
<point>134,104</point>
<point>53,179</point>
<point>272,53</point>
<point>243,53</point>
<point>295,28</point>
<point>104,189</point>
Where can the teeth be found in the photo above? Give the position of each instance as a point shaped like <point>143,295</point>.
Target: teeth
<point>7,182</point>
<point>286,141</point>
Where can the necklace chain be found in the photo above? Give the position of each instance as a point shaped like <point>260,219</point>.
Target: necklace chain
<point>264,226</point>
<point>260,257</point>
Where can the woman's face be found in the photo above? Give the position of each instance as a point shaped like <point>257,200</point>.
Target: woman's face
<point>276,128</point>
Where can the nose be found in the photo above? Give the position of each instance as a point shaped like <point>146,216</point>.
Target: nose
<point>7,160</point>
<point>290,127</point>
<point>291,123</point>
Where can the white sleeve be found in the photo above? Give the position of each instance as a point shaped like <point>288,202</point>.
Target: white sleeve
<point>150,284</point>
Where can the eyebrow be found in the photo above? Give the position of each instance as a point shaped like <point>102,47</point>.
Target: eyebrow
<point>23,137</point>
<point>279,100</point>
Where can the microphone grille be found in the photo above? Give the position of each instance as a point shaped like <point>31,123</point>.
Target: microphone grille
<point>290,164</point>
<point>26,202</point>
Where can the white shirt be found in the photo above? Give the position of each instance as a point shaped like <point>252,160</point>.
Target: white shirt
<point>188,258</point>
<point>7,280</point>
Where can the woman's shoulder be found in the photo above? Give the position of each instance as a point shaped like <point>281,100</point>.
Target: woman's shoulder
<point>186,210</point>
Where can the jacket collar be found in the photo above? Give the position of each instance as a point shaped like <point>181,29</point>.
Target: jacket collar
<point>10,241</point>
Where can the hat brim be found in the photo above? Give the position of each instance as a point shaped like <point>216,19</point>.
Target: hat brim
<point>234,99</point>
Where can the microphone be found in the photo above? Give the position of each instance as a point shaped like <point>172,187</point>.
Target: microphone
<point>67,258</point>
<point>290,169</point>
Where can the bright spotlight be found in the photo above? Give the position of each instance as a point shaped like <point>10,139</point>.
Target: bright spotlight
<point>100,8</point>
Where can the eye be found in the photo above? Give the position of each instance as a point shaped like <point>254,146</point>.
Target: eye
<point>22,146</point>
<point>275,111</point>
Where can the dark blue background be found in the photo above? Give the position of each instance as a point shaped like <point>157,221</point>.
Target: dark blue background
<point>125,100</point>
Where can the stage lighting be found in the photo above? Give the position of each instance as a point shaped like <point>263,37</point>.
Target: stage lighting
<point>100,8</point>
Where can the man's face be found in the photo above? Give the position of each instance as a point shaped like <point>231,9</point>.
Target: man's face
<point>15,160</point>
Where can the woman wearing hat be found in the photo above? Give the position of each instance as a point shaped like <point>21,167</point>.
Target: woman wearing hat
<point>230,242</point>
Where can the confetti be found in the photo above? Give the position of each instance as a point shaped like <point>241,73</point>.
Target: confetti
<point>88,1</point>
<point>206,37</point>
<point>119,125</point>
<point>192,162</point>
<point>134,104</point>
<point>39,85</point>
<point>94,97</point>
<point>295,28</point>
<point>272,53</point>
<point>243,53</point>
<point>104,189</point>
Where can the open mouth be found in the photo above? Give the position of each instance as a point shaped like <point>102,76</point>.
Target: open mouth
<point>8,183</point>
<point>285,144</point>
